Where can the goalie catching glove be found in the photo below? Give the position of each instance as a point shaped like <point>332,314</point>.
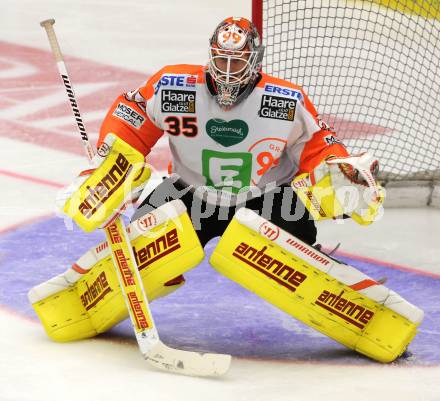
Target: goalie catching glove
<point>98,195</point>
<point>342,186</point>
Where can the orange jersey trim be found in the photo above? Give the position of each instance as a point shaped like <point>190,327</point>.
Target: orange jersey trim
<point>316,150</point>
<point>145,137</point>
<point>147,91</point>
<point>268,79</point>
<point>142,139</point>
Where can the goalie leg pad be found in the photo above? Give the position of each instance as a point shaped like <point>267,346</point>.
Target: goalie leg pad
<point>86,300</point>
<point>334,298</point>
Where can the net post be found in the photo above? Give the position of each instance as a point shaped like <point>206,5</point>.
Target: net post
<point>257,15</point>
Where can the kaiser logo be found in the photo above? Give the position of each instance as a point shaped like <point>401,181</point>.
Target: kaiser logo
<point>178,101</point>
<point>269,230</point>
<point>227,133</point>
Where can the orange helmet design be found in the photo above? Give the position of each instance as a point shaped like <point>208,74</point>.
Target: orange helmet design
<point>235,57</point>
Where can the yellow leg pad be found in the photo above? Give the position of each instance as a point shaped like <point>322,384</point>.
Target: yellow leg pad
<point>94,303</point>
<point>297,286</point>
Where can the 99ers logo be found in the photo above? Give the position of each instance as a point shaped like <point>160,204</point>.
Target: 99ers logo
<point>266,153</point>
<point>232,37</point>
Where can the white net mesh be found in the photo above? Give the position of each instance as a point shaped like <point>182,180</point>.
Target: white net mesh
<point>371,71</point>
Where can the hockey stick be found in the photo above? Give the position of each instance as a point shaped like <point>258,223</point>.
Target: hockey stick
<point>154,351</point>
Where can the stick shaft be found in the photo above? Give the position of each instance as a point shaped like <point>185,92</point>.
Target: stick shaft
<point>122,254</point>
<point>56,50</point>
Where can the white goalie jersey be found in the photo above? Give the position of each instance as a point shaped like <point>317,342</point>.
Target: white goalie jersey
<point>265,140</point>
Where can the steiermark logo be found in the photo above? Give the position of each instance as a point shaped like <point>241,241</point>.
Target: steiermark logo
<point>227,171</point>
<point>227,133</point>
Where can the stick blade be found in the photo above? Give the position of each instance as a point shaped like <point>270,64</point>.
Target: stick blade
<point>187,362</point>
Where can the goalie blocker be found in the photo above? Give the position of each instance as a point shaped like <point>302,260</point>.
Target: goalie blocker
<point>334,298</point>
<point>97,196</point>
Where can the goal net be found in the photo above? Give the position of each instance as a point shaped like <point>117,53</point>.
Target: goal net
<point>372,71</point>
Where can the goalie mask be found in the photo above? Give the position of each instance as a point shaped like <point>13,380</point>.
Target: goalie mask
<point>235,56</point>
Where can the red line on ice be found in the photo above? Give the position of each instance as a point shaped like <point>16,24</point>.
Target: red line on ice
<point>23,223</point>
<point>35,180</point>
<point>386,264</point>
<point>45,81</point>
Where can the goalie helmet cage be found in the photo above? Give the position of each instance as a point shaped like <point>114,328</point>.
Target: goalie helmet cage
<point>371,68</point>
